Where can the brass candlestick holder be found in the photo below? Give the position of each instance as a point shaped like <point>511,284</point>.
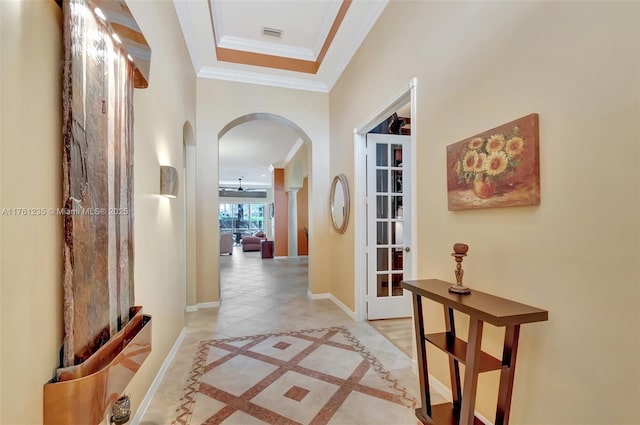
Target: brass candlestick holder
<point>459,252</point>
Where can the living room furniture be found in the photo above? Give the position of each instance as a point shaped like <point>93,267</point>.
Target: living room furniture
<point>226,243</point>
<point>480,307</point>
<point>266,249</point>
<point>252,242</point>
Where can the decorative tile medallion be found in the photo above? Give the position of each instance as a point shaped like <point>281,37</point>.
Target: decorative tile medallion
<point>282,345</point>
<point>328,377</point>
<point>296,393</point>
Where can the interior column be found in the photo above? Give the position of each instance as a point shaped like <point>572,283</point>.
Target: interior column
<point>293,221</point>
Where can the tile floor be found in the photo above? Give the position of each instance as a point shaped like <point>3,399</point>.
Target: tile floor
<point>270,296</point>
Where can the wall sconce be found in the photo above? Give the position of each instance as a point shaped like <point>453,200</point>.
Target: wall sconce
<point>168,181</point>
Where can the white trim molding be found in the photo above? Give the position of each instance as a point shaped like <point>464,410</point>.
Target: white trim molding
<point>190,38</point>
<point>144,405</point>
<point>200,306</point>
<point>239,76</point>
<point>211,304</point>
<point>407,94</point>
<point>328,296</point>
<point>374,10</point>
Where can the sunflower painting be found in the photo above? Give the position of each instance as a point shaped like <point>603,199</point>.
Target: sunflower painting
<point>497,168</point>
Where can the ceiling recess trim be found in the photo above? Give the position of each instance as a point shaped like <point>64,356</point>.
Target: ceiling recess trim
<point>280,62</point>
<point>262,79</point>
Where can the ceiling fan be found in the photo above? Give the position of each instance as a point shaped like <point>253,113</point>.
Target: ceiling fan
<point>246,192</point>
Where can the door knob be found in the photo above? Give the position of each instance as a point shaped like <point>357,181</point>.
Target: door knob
<point>407,249</point>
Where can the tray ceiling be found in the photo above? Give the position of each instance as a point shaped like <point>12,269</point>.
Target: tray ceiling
<point>234,40</point>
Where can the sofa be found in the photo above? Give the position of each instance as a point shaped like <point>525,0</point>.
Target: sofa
<point>252,242</point>
<point>226,243</point>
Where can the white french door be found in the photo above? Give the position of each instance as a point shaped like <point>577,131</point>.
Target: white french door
<point>388,225</point>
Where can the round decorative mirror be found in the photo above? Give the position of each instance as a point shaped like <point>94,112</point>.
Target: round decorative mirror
<point>339,201</point>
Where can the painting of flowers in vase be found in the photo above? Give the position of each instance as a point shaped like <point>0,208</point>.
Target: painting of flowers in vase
<point>496,168</point>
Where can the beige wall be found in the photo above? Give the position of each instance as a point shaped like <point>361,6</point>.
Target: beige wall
<point>218,104</point>
<point>190,192</point>
<point>483,64</point>
<point>297,168</point>
<point>160,113</point>
<point>31,272</point>
<point>31,177</point>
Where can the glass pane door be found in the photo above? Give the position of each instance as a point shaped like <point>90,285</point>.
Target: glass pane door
<point>389,248</point>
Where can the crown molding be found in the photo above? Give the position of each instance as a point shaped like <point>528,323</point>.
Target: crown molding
<point>190,39</point>
<point>242,44</point>
<point>327,23</point>
<point>374,10</point>
<point>292,152</point>
<point>262,79</point>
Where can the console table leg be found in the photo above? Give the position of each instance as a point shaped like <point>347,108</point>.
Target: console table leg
<point>423,372</point>
<point>454,366</point>
<point>471,372</point>
<point>511,336</point>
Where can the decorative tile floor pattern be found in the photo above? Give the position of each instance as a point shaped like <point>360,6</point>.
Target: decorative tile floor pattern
<point>259,393</point>
<point>270,297</point>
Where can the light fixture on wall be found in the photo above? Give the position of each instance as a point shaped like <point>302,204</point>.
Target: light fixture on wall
<point>168,181</point>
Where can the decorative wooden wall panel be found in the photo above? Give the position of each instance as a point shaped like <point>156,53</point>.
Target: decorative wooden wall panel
<point>97,182</point>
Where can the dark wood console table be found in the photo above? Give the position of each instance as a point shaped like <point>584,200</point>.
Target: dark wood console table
<point>480,307</point>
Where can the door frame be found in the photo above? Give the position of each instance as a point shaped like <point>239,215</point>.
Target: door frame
<point>405,95</point>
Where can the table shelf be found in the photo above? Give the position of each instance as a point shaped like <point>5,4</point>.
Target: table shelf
<point>480,307</point>
<point>444,414</point>
<point>457,349</point>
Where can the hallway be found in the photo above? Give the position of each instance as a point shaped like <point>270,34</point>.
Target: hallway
<point>270,297</point>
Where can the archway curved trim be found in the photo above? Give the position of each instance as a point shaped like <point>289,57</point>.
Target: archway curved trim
<point>188,135</point>
<point>268,117</point>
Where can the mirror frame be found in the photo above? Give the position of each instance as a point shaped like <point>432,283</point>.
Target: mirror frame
<point>342,180</point>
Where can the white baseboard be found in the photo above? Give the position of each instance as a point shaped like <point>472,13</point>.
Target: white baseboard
<point>313,296</point>
<point>336,301</point>
<point>156,381</point>
<point>200,306</point>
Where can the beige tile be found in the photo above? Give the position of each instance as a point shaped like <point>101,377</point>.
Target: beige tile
<point>361,409</point>
<point>269,296</point>
<point>323,360</point>
<point>238,374</point>
<point>273,398</point>
<point>247,328</point>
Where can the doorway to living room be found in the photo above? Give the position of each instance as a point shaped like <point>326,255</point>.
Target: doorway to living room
<point>263,174</point>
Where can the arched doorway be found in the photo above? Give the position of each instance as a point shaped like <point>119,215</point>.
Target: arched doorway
<point>295,178</point>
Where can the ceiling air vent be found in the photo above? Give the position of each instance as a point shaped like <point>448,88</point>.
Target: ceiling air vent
<point>272,32</point>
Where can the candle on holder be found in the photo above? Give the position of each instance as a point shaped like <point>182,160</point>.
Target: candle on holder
<point>459,252</point>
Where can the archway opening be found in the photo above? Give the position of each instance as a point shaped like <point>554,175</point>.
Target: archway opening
<point>264,174</point>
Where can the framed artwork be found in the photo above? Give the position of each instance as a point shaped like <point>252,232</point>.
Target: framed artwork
<point>496,168</point>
